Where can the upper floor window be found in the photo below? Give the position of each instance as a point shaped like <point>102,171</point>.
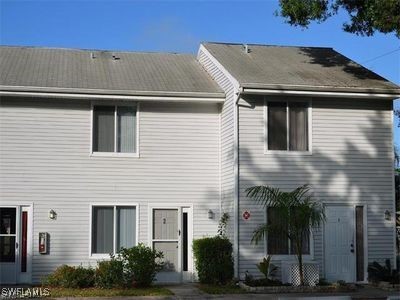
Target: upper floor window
<point>287,125</point>
<point>114,129</point>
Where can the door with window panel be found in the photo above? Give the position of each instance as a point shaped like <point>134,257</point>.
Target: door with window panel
<point>166,238</point>
<point>8,245</point>
<point>15,244</point>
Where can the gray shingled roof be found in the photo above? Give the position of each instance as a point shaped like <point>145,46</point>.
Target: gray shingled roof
<point>30,68</point>
<point>301,68</point>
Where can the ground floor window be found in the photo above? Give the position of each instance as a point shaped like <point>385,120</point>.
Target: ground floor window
<point>113,227</point>
<point>278,243</point>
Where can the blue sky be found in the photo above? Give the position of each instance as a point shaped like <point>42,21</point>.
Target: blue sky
<point>179,26</point>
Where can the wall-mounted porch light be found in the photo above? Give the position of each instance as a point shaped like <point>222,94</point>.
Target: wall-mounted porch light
<point>210,214</point>
<point>52,215</point>
<point>388,215</point>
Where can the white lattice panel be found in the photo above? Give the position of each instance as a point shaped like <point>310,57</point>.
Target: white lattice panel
<point>291,273</point>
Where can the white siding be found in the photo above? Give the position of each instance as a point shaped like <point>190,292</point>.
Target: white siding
<point>45,160</point>
<point>226,138</point>
<point>351,162</point>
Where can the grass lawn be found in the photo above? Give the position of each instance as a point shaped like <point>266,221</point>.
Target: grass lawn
<point>221,289</point>
<point>94,292</point>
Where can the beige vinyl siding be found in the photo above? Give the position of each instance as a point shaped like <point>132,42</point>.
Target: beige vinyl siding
<point>226,138</point>
<point>351,162</point>
<point>45,160</point>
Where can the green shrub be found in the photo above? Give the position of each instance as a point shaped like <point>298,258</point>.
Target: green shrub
<point>71,277</point>
<point>323,282</point>
<point>267,268</point>
<point>84,277</point>
<point>60,277</point>
<point>377,273</point>
<point>109,274</point>
<point>136,266</point>
<point>214,261</point>
<point>141,264</point>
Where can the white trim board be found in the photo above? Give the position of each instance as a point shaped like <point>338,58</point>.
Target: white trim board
<point>320,94</point>
<point>113,97</point>
<point>232,79</point>
<point>393,221</point>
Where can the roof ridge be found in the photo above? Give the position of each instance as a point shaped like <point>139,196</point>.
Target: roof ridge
<point>94,50</point>
<point>265,45</point>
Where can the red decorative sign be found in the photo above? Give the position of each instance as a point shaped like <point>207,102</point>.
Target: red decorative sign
<point>246,215</point>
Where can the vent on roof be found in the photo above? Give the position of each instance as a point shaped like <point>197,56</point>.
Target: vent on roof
<point>115,57</point>
<point>92,55</point>
<point>246,48</point>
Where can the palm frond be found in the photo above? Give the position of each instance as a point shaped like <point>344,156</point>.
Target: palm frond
<point>264,195</point>
<point>259,233</point>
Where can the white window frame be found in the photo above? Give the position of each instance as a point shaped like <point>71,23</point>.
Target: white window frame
<point>309,120</point>
<point>306,257</point>
<point>114,205</point>
<point>114,153</point>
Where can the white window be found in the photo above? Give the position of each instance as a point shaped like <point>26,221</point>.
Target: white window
<point>278,243</point>
<point>113,227</point>
<point>287,126</point>
<point>114,129</point>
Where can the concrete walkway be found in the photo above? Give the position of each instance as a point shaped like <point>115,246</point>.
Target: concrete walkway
<point>190,291</point>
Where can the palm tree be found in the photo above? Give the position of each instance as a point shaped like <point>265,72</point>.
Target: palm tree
<point>298,212</point>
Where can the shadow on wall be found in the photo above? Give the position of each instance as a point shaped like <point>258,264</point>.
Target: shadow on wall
<point>351,161</point>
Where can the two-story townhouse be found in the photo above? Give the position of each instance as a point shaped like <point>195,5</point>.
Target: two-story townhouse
<point>307,115</point>
<point>101,150</point>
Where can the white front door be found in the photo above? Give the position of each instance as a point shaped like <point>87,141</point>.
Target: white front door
<point>15,244</point>
<point>339,236</point>
<point>171,234</point>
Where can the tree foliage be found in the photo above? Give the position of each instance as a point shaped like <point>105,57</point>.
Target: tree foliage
<point>397,114</point>
<point>365,16</point>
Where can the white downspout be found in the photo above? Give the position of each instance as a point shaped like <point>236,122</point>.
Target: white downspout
<point>236,182</point>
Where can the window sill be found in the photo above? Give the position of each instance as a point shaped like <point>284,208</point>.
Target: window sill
<point>114,154</point>
<point>100,256</point>
<point>287,153</point>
